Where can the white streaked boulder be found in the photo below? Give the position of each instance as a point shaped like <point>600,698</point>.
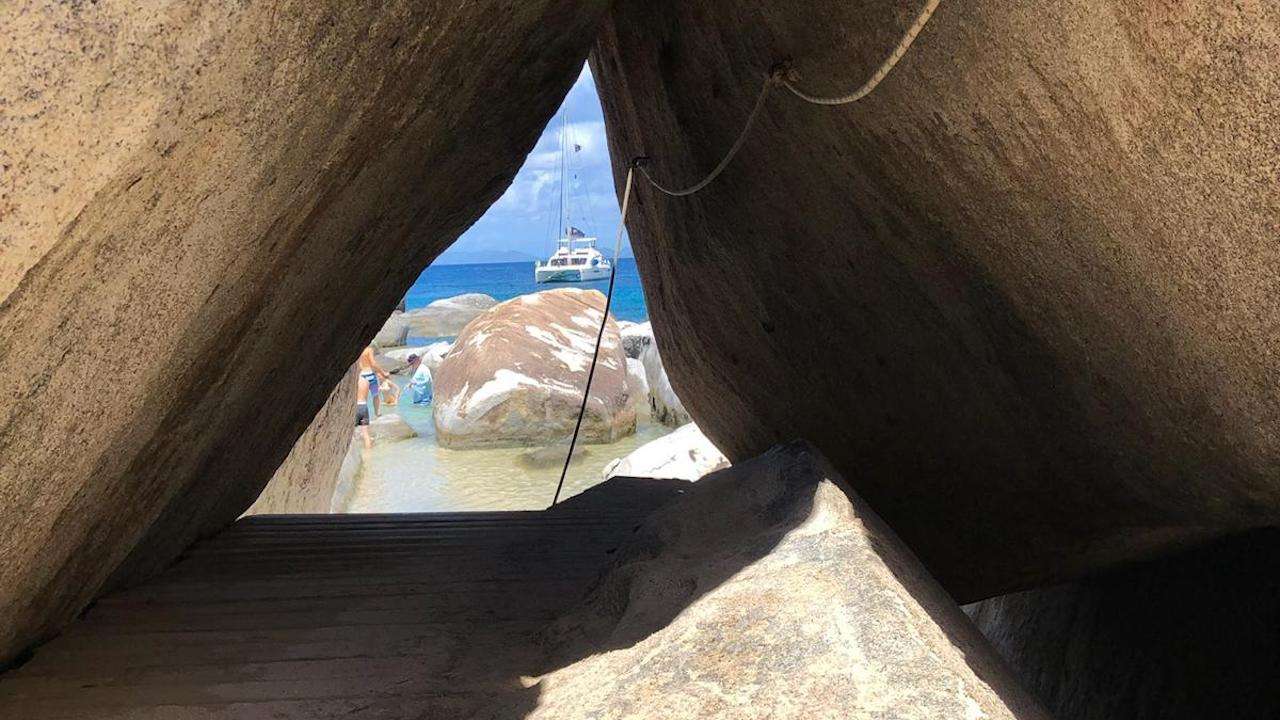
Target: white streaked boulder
<point>685,454</point>
<point>664,405</point>
<point>516,374</point>
<point>637,384</point>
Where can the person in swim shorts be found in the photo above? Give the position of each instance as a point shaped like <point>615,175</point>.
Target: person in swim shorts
<point>372,373</point>
<point>362,410</point>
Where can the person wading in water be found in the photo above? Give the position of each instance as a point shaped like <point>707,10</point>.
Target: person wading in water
<point>362,410</point>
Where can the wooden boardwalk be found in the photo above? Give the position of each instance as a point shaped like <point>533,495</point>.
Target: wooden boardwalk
<point>324,616</point>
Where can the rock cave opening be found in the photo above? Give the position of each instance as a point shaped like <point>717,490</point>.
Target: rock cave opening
<point>468,396</point>
<point>1000,337</point>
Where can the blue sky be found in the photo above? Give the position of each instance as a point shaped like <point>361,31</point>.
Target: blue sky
<point>524,218</point>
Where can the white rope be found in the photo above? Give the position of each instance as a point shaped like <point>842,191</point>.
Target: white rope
<point>778,76</point>
<point>885,67</point>
<point>733,149</point>
<point>622,221</point>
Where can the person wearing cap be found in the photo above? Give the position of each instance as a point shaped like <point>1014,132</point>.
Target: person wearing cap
<point>421,382</point>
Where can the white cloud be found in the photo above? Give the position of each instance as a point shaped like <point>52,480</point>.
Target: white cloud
<point>521,217</point>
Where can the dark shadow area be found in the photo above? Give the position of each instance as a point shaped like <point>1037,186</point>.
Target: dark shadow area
<point>403,615</point>
<point>318,616</point>
<point>458,614</point>
<point>1189,637</point>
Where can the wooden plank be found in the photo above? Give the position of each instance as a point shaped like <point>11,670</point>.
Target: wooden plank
<point>380,616</point>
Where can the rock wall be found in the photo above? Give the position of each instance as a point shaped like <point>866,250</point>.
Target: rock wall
<point>1025,295</point>
<point>1189,637</point>
<point>310,476</point>
<point>198,201</point>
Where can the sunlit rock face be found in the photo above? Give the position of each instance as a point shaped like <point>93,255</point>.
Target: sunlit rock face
<point>1025,295</point>
<point>206,210</point>
<point>517,373</point>
<point>770,590</point>
<point>683,454</point>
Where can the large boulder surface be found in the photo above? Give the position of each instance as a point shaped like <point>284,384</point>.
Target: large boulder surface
<point>770,590</point>
<point>394,332</point>
<point>685,454</point>
<point>310,476</point>
<point>517,373</point>
<point>638,384</point>
<point>1025,294</point>
<point>390,427</point>
<point>447,317</point>
<point>636,337</point>
<point>197,199</point>
<point>664,405</point>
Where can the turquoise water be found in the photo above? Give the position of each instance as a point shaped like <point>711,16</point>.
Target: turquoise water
<point>417,475</point>
<point>507,280</point>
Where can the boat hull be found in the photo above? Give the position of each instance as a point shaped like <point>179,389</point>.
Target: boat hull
<point>544,274</point>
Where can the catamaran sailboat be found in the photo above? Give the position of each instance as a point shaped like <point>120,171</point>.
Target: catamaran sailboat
<point>576,259</point>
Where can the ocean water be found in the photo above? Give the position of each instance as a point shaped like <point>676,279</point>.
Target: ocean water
<point>507,280</point>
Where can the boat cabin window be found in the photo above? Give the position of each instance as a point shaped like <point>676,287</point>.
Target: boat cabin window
<point>579,261</point>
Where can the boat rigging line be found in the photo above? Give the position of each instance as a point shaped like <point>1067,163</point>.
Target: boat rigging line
<point>780,74</point>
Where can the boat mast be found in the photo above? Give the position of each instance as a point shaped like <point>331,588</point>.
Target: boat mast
<point>564,190</point>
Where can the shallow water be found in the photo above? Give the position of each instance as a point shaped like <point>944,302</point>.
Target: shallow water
<point>417,475</point>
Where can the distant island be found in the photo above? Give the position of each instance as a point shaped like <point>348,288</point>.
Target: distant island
<point>480,257</point>
<point>486,257</point>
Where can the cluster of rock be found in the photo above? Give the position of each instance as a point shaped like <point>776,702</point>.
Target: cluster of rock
<point>516,374</point>
<point>644,360</point>
<point>442,318</point>
<point>1030,314</point>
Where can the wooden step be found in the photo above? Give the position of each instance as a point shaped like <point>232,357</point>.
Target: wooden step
<point>327,616</point>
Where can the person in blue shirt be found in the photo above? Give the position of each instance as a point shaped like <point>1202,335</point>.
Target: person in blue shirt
<point>420,385</point>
